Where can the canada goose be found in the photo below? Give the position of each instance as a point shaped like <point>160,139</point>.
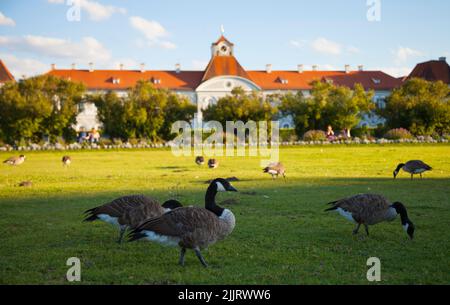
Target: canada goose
<point>213,163</point>
<point>191,227</point>
<point>26,184</point>
<point>119,211</point>
<point>15,160</point>
<point>66,160</point>
<point>275,169</point>
<point>413,167</point>
<point>370,209</point>
<point>200,160</point>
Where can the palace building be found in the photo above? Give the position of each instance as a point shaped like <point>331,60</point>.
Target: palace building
<point>222,74</point>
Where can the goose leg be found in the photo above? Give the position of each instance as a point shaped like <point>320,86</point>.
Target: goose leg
<point>121,234</point>
<point>355,231</point>
<point>367,229</point>
<point>182,253</point>
<point>200,257</point>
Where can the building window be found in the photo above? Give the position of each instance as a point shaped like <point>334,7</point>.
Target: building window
<point>380,102</point>
<point>81,107</point>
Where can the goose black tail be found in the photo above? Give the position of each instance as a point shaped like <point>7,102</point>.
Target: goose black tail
<point>90,215</point>
<point>134,235</point>
<point>331,209</point>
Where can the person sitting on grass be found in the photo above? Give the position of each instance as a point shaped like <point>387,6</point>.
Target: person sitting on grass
<point>330,133</point>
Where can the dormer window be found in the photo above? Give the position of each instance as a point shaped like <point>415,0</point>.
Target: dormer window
<point>283,81</point>
<point>156,81</point>
<point>329,81</point>
<point>376,81</point>
<point>115,80</point>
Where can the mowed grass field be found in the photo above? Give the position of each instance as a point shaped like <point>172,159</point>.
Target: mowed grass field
<point>282,235</point>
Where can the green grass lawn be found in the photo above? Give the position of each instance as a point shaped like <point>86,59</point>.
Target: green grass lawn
<point>282,235</point>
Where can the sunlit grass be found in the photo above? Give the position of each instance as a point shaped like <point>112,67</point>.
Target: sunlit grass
<point>282,234</point>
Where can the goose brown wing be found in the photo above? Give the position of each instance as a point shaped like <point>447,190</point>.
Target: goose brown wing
<point>180,221</point>
<point>117,207</point>
<point>135,216</point>
<point>417,164</point>
<point>364,207</point>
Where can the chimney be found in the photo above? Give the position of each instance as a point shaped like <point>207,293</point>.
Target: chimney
<point>269,68</point>
<point>91,67</point>
<point>314,67</point>
<point>347,68</point>
<point>74,66</point>
<point>360,68</point>
<point>177,68</point>
<point>142,67</point>
<point>300,68</point>
<point>120,67</point>
<point>443,59</point>
<point>53,66</point>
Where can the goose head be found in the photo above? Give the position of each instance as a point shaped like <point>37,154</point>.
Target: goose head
<point>22,157</point>
<point>407,224</point>
<point>222,185</point>
<point>399,167</point>
<point>171,204</point>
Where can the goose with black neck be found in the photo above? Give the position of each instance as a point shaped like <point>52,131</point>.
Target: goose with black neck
<point>193,228</point>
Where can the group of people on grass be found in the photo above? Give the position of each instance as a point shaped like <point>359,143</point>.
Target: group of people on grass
<point>92,137</point>
<point>345,134</point>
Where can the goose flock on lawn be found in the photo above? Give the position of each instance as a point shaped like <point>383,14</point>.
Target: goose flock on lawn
<point>196,228</point>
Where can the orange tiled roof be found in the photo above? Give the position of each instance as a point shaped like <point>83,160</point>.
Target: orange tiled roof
<point>224,65</point>
<point>222,38</point>
<point>227,65</point>
<point>433,70</point>
<point>293,80</point>
<point>5,75</point>
<point>125,79</point>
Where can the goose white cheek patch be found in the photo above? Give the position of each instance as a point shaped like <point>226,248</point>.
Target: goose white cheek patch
<point>220,187</point>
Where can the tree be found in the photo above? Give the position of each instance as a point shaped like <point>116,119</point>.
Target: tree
<point>37,107</point>
<point>420,106</point>
<point>146,112</point>
<point>338,106</point>
<point>240,106</point>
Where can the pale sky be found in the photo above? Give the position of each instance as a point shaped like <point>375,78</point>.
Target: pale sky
<point>284,33</point>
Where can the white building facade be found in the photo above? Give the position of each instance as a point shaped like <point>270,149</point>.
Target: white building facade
<point>222,74</point>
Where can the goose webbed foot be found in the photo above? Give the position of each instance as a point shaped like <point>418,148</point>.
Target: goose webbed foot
<point>182,253</point>
<point>200,257</point>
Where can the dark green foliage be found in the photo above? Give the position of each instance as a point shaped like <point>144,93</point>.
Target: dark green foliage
<point>337,106</point>
<point>37,107</point>
<point>420,106</point>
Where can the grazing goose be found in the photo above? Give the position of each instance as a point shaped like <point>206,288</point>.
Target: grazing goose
<point>370,209</point>
<point>66,160</point>
<point>119,211</point>
<point>275,169</point>
<point>200,160</point>
<point>213,163</point>
<point>191,227</point>
<point>15,160</point>
<point>413,167</point>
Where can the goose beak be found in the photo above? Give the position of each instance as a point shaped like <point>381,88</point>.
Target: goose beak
<point>231,189</point>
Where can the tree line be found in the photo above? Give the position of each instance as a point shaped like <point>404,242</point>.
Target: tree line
<point>46,107</point>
